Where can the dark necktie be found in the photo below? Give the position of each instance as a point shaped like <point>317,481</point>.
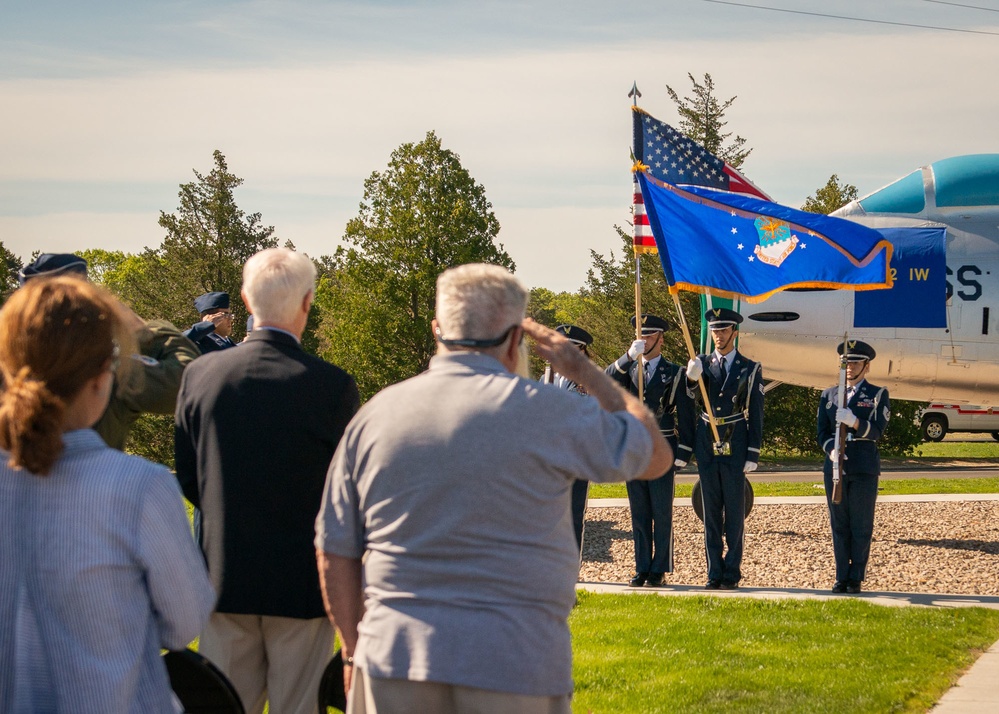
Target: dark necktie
<point>722,371</point>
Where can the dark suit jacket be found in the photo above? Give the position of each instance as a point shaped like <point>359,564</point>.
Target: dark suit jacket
<point>666,396</point>
<point>872,406</point>
<point>256,428</point>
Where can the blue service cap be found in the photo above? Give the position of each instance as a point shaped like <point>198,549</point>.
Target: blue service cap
<point>575,334</point>
<point>856,350</point>
<point>53,264</point>
<point>651,323</point>
<point>211,301</point>
<point>721,317</point>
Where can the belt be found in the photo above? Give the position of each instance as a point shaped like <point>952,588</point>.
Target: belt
<point>850,437</point>
<point>721,421</point>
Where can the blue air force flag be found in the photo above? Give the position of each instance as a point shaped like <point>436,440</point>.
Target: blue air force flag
<point>733,245</point>
<point>918,297</point>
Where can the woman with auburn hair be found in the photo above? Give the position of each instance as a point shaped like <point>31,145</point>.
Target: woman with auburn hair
<point>98,570</point>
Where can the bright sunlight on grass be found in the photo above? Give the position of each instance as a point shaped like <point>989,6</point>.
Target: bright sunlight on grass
<point>649,653</point>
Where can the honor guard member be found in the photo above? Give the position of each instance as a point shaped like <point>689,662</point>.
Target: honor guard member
<point>212,333</point>
<point>163,354</point>
<point>580,487</point>
<point>665,394</point>
<point>865,417</point>
<point>735,391</point>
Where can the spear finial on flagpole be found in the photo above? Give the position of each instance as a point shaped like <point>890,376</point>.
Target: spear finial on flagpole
<point>634,93</point>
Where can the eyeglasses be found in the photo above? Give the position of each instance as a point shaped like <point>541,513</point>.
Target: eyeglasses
<point>480,344</point>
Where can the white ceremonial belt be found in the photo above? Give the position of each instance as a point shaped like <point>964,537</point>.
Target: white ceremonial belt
<point>721,421</point>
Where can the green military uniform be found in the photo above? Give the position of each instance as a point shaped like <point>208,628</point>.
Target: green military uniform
<point>151,384</point>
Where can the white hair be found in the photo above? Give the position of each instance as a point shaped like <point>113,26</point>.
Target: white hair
<point>479,301</point>
<point>275,281</point>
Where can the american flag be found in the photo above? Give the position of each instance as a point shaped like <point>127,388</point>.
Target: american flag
<point>673,158</point>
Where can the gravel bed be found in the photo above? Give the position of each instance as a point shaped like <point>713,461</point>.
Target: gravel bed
<point>937,547</point>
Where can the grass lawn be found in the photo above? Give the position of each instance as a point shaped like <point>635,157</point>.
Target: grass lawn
<point>649,653</point>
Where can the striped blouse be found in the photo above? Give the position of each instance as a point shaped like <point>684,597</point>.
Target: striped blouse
<point>98,572</point>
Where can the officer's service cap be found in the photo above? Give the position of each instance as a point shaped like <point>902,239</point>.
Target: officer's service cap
<point>856,350</point>
<point>211,301</point>
<point>53,264</point>
<point>721,317</point>
<point>575,334</point>
<point>651,323</point>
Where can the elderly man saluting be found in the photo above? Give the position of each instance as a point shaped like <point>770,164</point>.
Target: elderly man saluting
<point>453,487</point>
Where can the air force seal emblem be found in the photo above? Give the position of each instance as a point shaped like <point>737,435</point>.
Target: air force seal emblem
<point>776,241</point>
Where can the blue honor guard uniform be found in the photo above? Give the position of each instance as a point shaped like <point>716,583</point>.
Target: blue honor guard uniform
<point>580,487</point>
<point>203,333</point>
<point>734,386</point>
<point>651,502</point>
<point>865,417</point>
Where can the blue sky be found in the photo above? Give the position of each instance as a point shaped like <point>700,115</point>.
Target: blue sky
<point>107,107</point>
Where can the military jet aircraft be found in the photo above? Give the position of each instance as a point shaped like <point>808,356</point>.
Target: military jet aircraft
<point>794,333</point>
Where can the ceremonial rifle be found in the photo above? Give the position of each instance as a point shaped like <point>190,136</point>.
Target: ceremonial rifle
<point>839,445</point>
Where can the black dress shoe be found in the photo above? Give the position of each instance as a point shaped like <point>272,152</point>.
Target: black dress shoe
<point>639,580</point>
<point>713,585</point>
<point>655,580</point>
<point>853,587</point>
<point>839,588</point>
<point>729,585</point>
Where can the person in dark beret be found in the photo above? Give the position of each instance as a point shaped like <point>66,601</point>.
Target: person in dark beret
<point>580,487</point>
<point>734,385</point>
<point>665,394</point>
<point>212,333</point>
<point>865,417</point>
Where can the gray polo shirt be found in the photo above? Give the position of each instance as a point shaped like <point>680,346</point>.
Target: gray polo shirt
<point>455,486</point>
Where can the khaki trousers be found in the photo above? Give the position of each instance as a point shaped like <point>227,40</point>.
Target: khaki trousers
<point>280,659</point>
<point>375,695</point>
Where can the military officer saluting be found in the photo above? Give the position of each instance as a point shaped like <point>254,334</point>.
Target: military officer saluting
<point>735,392</point>
<point>665,393</point>
<point>212,333</point>
<point>580,487</point>
<point>865,417</point>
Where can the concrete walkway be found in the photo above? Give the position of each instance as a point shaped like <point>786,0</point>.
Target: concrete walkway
<point>976,692</point>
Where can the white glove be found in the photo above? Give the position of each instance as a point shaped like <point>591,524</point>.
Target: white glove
<point>749,467</point>
<point>637,348</point>
<point>694,369</point>
<point>679,463</point>
<point>845,416</point>
<point>834,456</point>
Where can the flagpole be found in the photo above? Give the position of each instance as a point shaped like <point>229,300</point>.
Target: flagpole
<point>700,382</point>
<point>640,375</point>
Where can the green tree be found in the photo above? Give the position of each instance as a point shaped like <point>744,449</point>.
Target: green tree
<point>830,197</point>
<point>701,119</point>
<point>423,214</point>
<point>207,242</point>
<point>10,264</point>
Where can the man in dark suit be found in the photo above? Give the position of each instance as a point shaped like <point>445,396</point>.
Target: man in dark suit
<point>735,394</point>
<point>212,333</point>
<point>665,394</point>
<point>256,428</point>
<point>865,416</point>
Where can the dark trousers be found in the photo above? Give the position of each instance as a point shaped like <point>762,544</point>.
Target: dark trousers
<point>652,523</point>
<point>723,491</point>
<point>580,491</point>
<point>852,523</point>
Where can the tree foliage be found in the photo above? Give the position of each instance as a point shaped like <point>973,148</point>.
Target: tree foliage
<point>207,242</point>
<point>830,197</point>
<point>701,119</point>
<point>423,214</point>
<point>10,264</point>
